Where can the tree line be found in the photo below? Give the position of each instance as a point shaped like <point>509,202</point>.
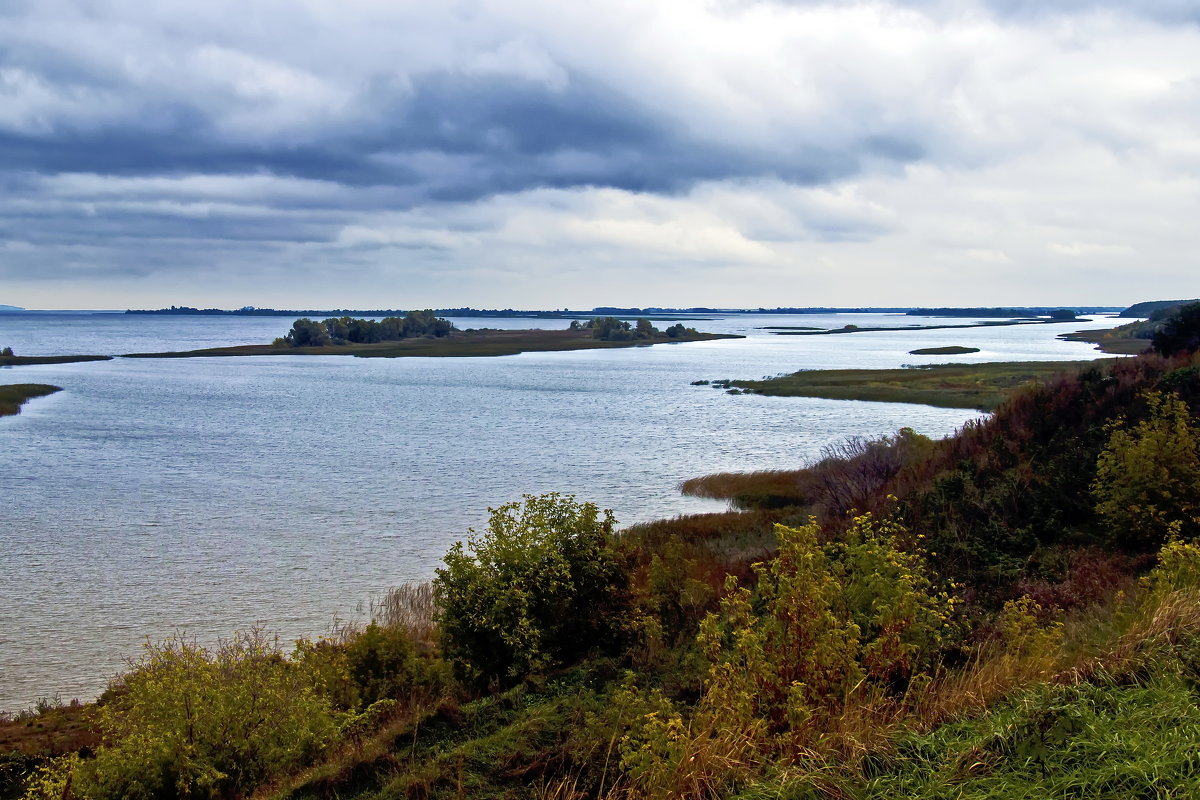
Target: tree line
<point>611,329</point>
<point>306,332</point>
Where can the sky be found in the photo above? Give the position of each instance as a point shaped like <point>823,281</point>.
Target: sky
<point>549,154</point>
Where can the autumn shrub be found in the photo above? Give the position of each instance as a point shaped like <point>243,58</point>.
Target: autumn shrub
<point>1148,476</point>
<point>540,587</point>
<point>823,621</point>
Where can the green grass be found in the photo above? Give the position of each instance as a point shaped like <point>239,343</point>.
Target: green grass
<point>458,344</point>
<point>13,396</point>
<point>1083,741</point>
<point>950,350</point>
<point>24,361</point>
<point>979,386</point>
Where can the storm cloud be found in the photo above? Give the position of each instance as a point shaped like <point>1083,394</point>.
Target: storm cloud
<point>543,154</point>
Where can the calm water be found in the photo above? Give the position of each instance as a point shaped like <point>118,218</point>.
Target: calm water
<point>209,495</point>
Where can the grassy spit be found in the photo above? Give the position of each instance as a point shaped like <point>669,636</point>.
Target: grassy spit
<point>978,386</point>
<point>15,395</point>
<point>27,361</point>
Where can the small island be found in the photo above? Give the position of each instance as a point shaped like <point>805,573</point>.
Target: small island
<point>950,350</point>
<point>13,396</point>
<point>421,333</point>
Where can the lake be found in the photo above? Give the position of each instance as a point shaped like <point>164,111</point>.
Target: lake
<point>209,495</point>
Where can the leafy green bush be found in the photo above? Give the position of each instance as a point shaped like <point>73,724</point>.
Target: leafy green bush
<point>539,588</point>
<point>193,723</point>
<point>383,663</point>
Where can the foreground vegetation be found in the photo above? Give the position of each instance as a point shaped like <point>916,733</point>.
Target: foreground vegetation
<point>15,395</point>
<point>1012,612</point>
<point>979,386</point>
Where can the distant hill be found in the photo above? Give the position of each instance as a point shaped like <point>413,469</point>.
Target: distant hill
<point>1148,308</point>
<point>11,308</point>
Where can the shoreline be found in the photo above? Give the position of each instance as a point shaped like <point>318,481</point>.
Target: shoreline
<point>792,331</point>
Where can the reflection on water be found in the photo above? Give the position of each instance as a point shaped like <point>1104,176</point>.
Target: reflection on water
<point>212,494</point>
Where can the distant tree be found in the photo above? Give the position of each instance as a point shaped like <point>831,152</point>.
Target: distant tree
<point>338,329</point>
<point>677,330</point>
<point>426,323</point>
<point>307,333</point>
<point>6,351</point>
<point>1062,313</point>
<point>364,331</point>
<point>611,329</point>
<point>645,329</point>
<point>1180,333</point>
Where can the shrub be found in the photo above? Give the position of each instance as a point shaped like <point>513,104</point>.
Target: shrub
<point>189,722</point>
<point>1180,333</point>
<point>384,664</point>
<point>823,619</point>
<point>1148,476</point>
<point>539,588</point>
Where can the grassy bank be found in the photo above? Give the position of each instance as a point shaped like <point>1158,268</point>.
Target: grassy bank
<point>978,386</point>
<point>472,343</point>
<point>13,396</point>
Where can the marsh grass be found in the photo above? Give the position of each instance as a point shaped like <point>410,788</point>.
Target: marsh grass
<point>408,607</point>
<point>978,386</point>
<point>776,487</point>
<point>15,395</point>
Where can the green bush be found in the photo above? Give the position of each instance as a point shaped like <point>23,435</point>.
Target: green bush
<point>193,723</point>
<point>383,664</point>
<point>539,588</point>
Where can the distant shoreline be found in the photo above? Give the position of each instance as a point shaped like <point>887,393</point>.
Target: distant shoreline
<point>472,343</point>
